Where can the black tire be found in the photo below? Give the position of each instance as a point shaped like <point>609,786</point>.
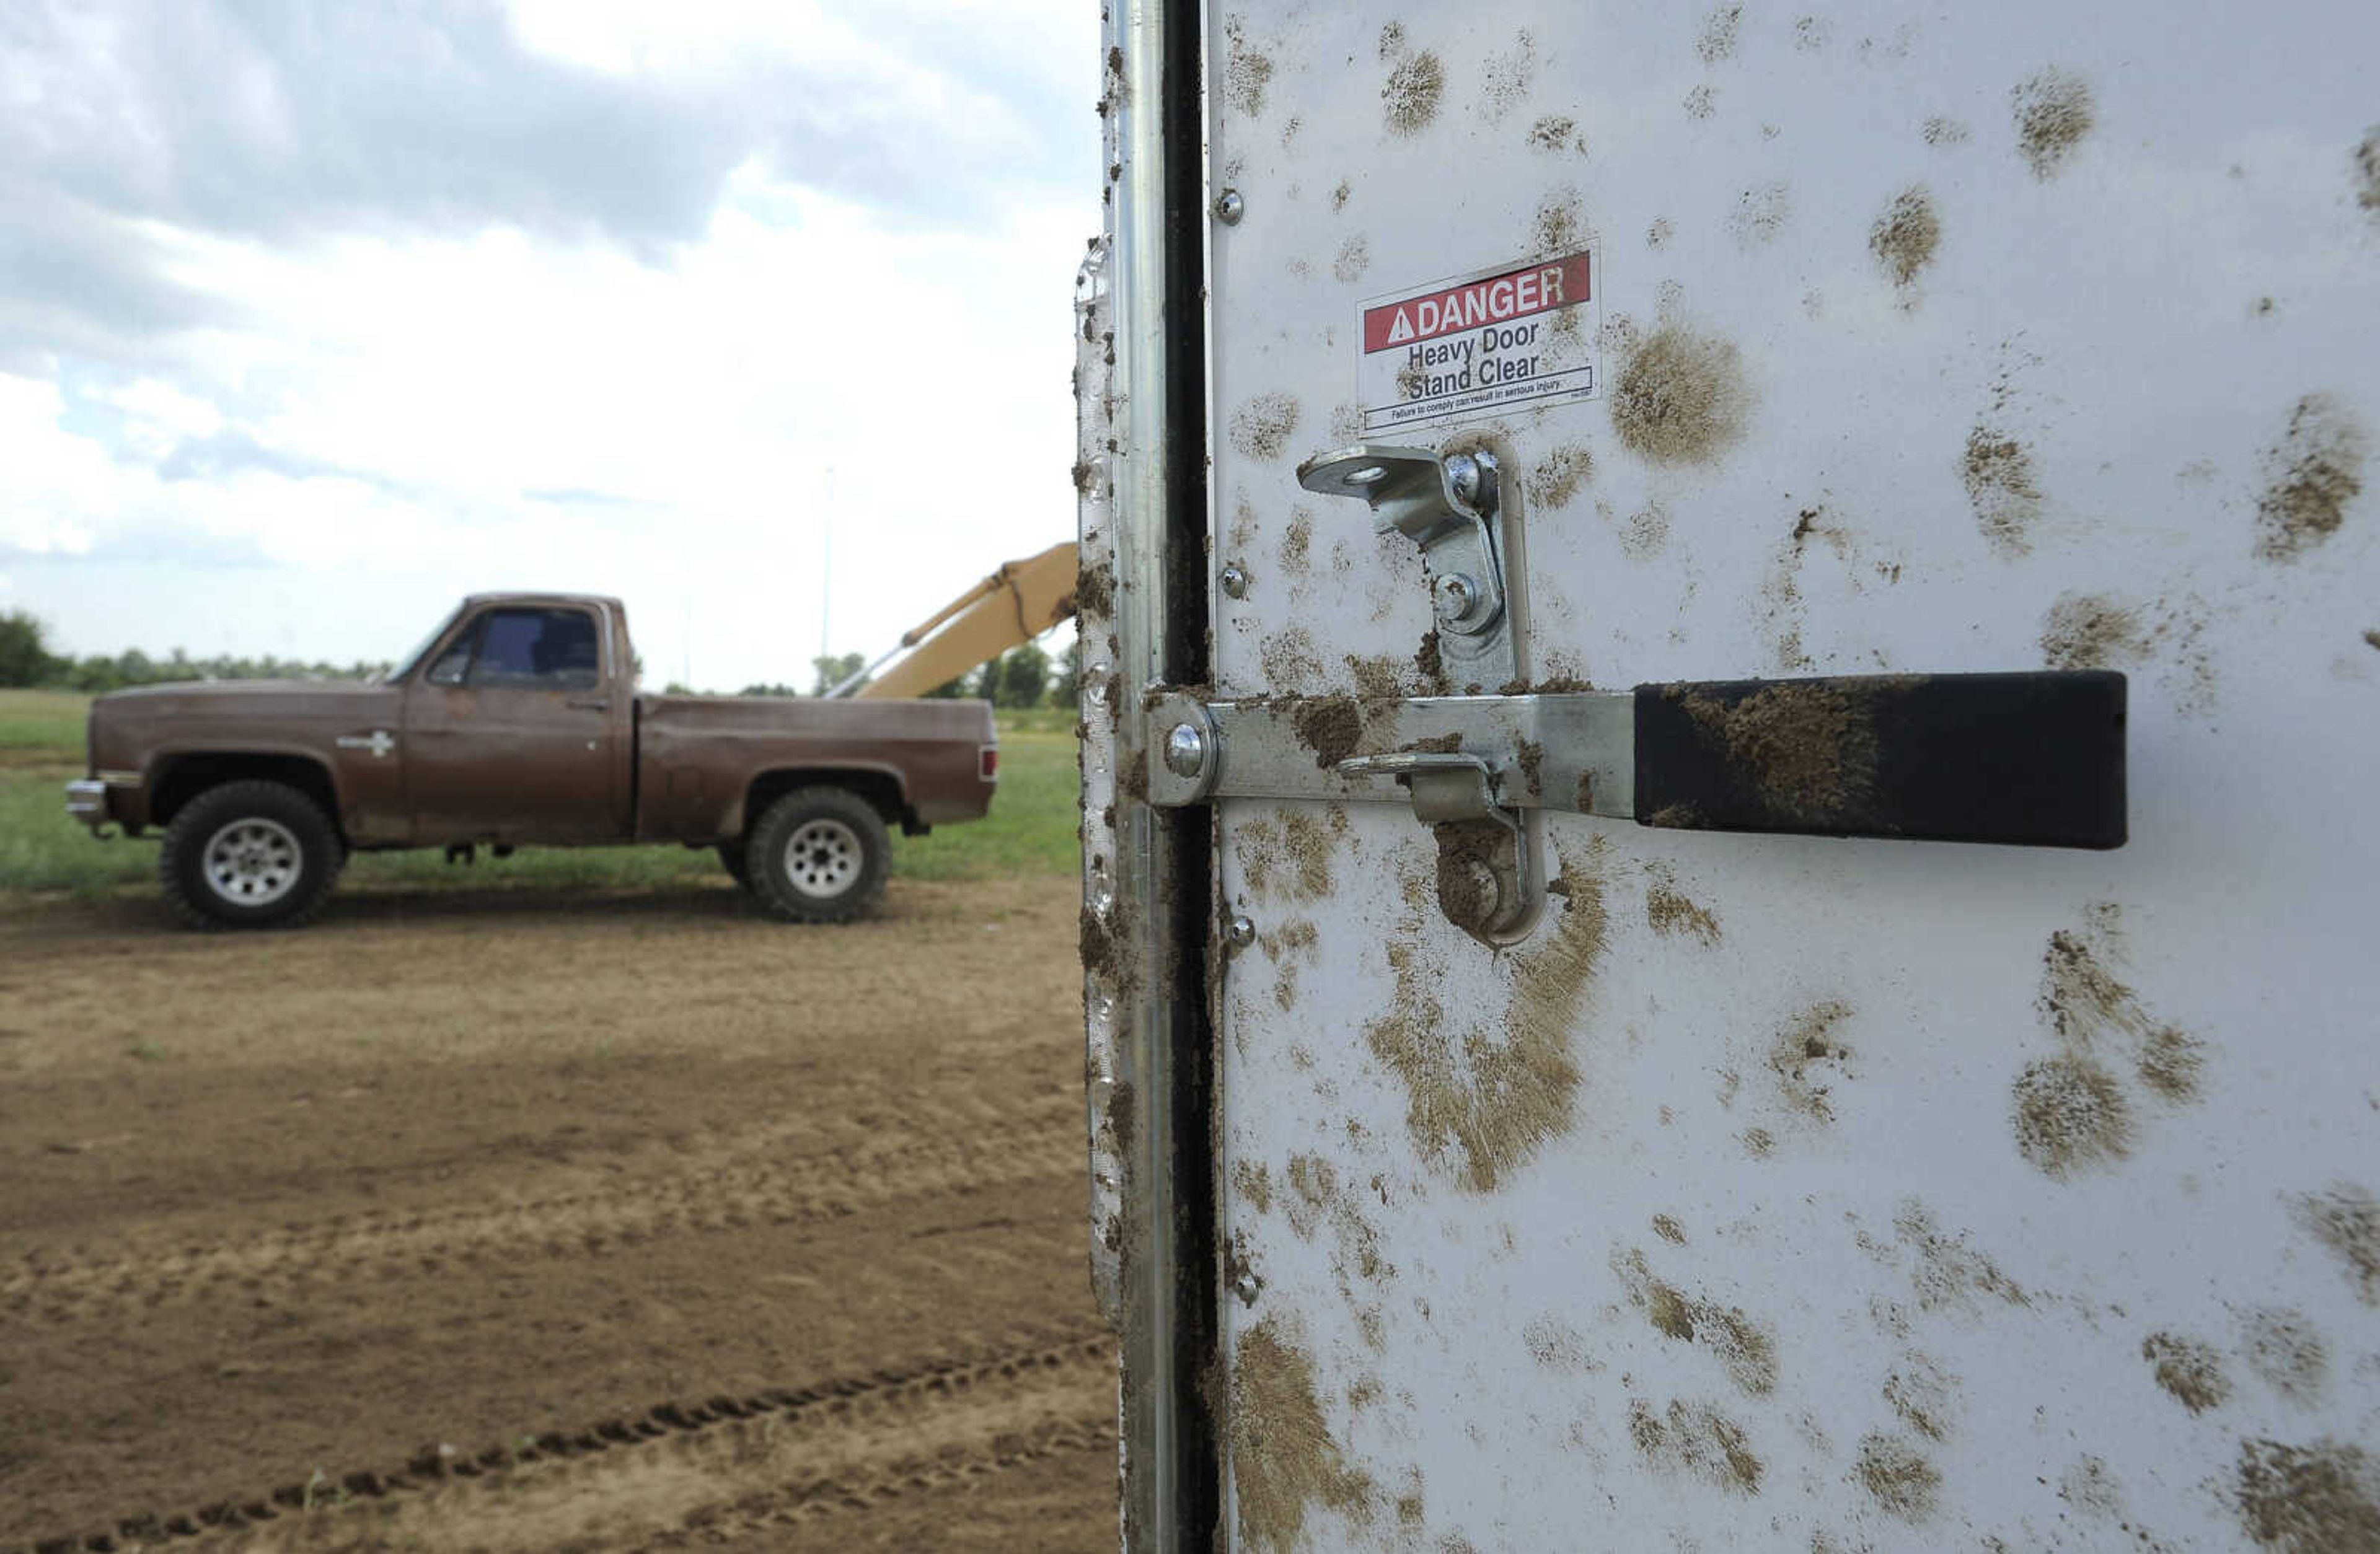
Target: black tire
<point>820,855</point>
<point>250,854</point>
<point>732,858</point>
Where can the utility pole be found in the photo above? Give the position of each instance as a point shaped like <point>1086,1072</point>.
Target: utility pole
<point>826,574</point>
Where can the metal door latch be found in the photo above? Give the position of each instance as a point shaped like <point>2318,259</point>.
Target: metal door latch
<point>1485,884</point>
<point>1448,507</point>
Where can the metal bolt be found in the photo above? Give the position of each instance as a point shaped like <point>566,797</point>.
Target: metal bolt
<point>1242,933</point>
<point>1230,207</point>
<point>1185,751</point>
<point>1246,1286</point>
<point>1455,594</point>
<point>1473,476</point>
<point>1235,581</point>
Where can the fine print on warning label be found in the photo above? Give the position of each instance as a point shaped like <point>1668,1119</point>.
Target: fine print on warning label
<point>1520,336</point>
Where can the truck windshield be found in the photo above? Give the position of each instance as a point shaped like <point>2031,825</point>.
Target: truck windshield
<point>412,658</point>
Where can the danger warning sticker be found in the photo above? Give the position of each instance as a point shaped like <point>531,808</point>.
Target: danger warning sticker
<point>1524,336</point>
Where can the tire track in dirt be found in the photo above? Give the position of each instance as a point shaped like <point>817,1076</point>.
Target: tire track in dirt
<point>747,1189</point>
<point>683,1473</point>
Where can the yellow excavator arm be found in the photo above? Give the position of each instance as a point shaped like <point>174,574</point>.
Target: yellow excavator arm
<point>1016,604</point>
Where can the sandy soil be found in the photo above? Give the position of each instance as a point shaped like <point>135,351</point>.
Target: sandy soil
<point>524,1221</point>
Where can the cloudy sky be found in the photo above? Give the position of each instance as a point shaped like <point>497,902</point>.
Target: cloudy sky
<point>317,314</point>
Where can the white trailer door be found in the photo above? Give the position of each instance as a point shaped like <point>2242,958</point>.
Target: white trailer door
<point>1778,1190</point>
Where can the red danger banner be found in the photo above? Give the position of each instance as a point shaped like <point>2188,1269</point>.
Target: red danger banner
<point>1515,294</point>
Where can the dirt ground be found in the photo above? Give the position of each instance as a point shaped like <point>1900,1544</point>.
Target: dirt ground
<point>530,1220</point>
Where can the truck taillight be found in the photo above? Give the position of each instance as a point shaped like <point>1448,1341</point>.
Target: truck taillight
<point>987,758</point>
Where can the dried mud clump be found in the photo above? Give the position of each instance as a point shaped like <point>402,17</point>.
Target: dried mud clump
<point>2287,1352</point>
<point>1095,591</point>
<point>1330,726</point>
<point>2170,1062</point>
<point>2314,474</point>
<point>1905,237</point>
<point>1898,1476</point>
<point>1555,132</point>
<point>1922,1394</point>
<point>1808,1041</point>
<point>1262,426</point>
<point>1669,1230</point>
<point>1556,478</point>
<point>1697,1440</point>
<point>1253,1181</point>
<point>1809,746</point>
<point>2082,999</point>
<point>2346,1219</point>
<point>1670,913</point>
<point>1681,396</point>
<point>2002,486</point>
<point>2322,1499</point>
<point>1718,40</point>
<point>1246,72</point>
<point>1410,99</point>
<point>2187,1368</point>
<point>2071,1116</point>
<point>1949,1271</point>
<point>2053,111</point>
<point>1742,1345</point>
<point>2092,631</point>
<point>1481,1102</point>
<point>1285,1459</point>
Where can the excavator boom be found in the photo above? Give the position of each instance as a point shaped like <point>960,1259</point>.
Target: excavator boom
<point>1016,604</point>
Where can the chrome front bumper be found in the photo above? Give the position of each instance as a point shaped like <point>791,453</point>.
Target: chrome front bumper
<point>86,800</point>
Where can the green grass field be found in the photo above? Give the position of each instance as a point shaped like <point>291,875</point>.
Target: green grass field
<point>1030,830</point>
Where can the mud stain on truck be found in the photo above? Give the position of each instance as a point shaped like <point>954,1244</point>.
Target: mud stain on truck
<point>2092,631</point>
<point>1681,396</point>
<point>1719,34</point>
<point>1246,71</point>
<point>1285,1459</point>
<point>1696,1440</point>
<point>1253,1181</point>
<point>2053,111</point>
<point>2002,487</point>
<point>2321,1498</point>
<point>2367,172</point>
<point>2314,473</point>
<point>1481,1101</point>
<point>2190,1370</point>
<point>1906,236</point>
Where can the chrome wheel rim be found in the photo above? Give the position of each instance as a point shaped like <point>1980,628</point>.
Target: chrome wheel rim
<point>823,859</point>
<point>252,862</point>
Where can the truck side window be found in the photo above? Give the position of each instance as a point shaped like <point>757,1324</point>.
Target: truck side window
<point>546,650</point>
<point>456,661</point>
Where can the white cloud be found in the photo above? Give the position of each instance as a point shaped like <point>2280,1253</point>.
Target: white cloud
<point>368,421</point>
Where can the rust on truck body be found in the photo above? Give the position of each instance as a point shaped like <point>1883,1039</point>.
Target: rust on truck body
<point>441,755</point>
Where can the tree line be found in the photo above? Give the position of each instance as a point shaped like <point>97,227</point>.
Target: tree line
<point>26,661</point>
<point>1024,676</point>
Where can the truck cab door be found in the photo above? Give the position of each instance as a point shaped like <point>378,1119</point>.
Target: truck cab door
<point>513,733</point>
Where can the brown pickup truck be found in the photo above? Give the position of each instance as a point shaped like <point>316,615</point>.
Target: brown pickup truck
<point>517,723</point>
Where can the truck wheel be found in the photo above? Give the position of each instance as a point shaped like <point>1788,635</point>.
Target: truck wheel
<point>820,855</point>
<point>249,855</point>
<point>736,861</point>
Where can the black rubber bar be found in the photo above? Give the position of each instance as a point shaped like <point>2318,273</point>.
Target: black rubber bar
<point>2028,760</point>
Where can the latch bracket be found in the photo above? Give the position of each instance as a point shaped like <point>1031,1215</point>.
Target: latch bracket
<point>1449,507</point>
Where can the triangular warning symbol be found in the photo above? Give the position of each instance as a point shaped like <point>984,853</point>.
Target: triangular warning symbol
<point>1400,330</point>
